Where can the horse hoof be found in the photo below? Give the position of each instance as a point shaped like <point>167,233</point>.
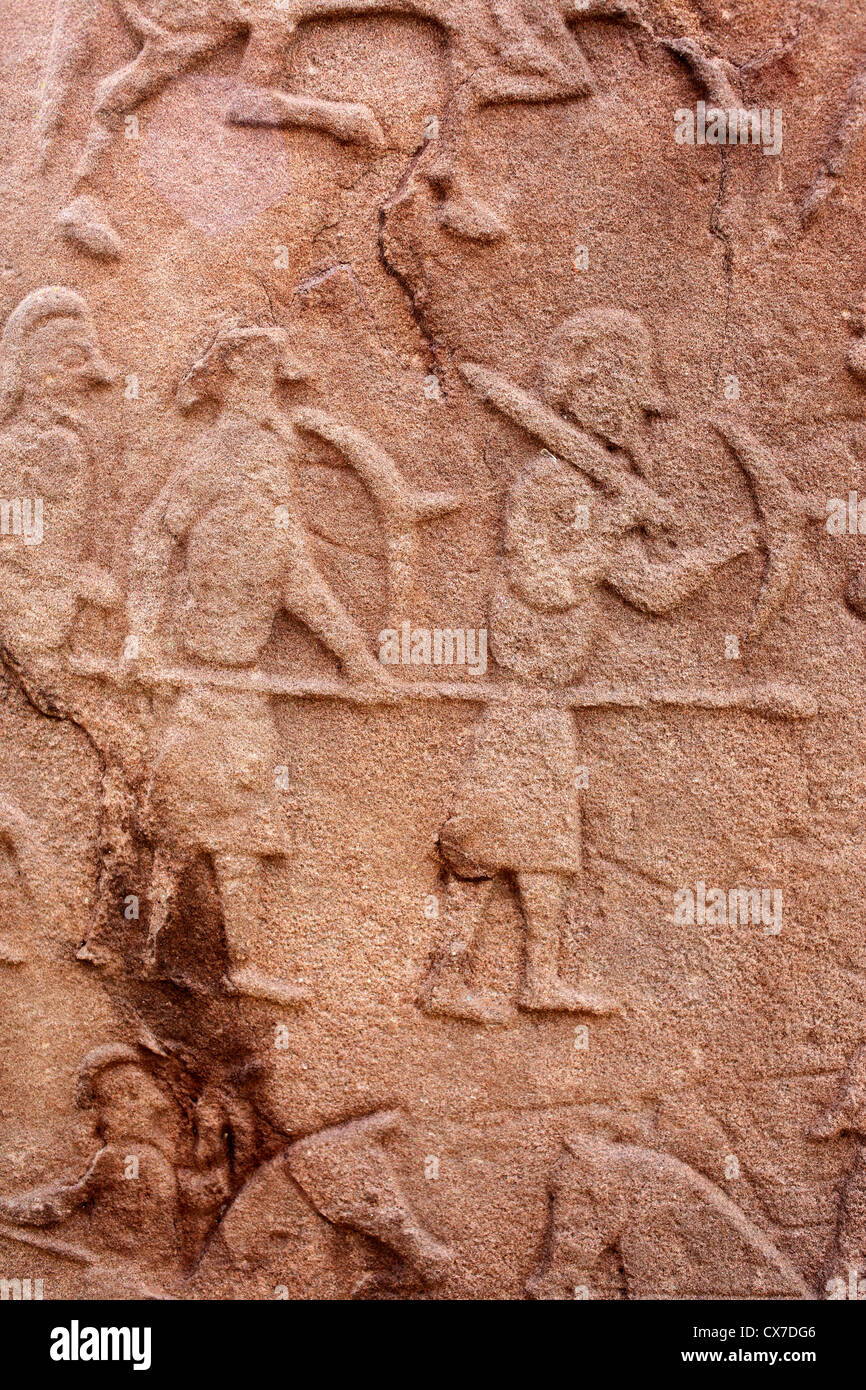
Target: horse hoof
<point>360,127</point>
<point>465,217</point>
<point>83,223</point>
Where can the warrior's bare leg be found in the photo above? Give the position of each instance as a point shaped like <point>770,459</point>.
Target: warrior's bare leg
<point>117,864</point>
<point>164,883</point>
<point>446,988</point>
<point>249,932</point>
<point>543,898</point>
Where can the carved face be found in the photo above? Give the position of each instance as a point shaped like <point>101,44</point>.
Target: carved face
<point>133,1106</point>
<point>608,388</point>
<point>61,360</point>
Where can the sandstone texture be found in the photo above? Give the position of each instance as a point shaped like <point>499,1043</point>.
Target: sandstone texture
<point>432,649</point>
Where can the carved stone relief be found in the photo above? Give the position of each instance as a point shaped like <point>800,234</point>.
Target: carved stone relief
<point>433,438</point>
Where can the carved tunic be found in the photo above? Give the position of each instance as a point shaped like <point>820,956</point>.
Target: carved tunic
<point>517,807</point>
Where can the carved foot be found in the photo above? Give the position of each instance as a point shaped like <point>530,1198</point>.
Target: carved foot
<point>370,680</point>
<point>254,984</point>
<point>431,1258</point>
<point>84,223</point>
<point>557,997</point>
<point>10,952</point>
<point>466,217</point>
<point>550,1287</point>
<point>856,358</point>
<point>350,122</point>
<point>456,1000</point>
<point>92,954</point>
<point>382,1284</point>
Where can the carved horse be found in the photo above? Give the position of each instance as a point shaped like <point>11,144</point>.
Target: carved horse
<point>499,51</point>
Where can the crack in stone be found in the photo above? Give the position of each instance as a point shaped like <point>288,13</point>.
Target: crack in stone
<point>431,343</point>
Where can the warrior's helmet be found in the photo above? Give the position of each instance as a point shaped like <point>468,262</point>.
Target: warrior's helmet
<point>237,344</point>
<point>73,361</point>
<point>599,370</point>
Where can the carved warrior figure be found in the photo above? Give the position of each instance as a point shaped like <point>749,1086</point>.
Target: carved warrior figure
<point>170,1172</point>
<point>51,371</point>
<point>51,363</point>
<point>517,811</point>
<point>227,514</point>
<point>154,1186</point>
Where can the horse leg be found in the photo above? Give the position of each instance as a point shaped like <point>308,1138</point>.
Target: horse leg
<point>161,59</point>
<point>459,213</point>
<point>259,101</point>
